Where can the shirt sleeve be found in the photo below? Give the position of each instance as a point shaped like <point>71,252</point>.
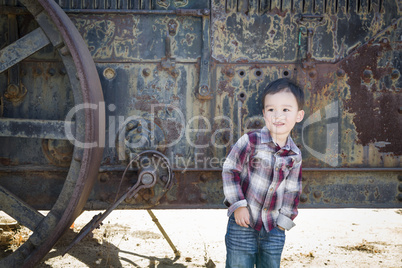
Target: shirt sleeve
<point>233,167</point>
<point>293,189</point>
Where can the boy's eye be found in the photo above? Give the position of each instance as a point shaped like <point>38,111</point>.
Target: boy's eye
<point>286,110</point>
<point>270,110</point>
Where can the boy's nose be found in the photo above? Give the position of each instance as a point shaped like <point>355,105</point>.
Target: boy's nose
<point>278,115</point>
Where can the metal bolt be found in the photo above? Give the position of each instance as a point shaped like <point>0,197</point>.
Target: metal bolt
<point>52,71</point>
<point>205,12</point>
<point>313,73</point>
<point>367,73</point>
<point>230,72</point>
<point>203,178</point>
<point>317,194</point>
<point>399,197</point>
<point>147,178</point>
<point>130,126</point>
<point>203,197</point>
<point>340,73</point>
<point>395,74</point>
<point>146,72</point>
<point>303,198</point>
<point>63,71</point>
<point>204,90</point>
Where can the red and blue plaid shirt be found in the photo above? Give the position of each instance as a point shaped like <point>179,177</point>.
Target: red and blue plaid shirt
<point>265,178</point>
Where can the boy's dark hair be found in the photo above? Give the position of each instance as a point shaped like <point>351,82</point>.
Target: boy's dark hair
<point>280,85</point>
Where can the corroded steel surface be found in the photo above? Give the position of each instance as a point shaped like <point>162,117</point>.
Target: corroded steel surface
<point>85,86</point>
<point>152,64</point>
<point>185,77</point>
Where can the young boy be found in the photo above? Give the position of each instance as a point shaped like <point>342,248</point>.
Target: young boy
<point>262,181</point>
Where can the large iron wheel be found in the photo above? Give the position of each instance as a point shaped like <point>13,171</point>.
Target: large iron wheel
<point>56,28</point>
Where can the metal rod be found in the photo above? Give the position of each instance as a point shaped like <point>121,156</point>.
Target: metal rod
<point>103,169</point>
<point>156,221</point>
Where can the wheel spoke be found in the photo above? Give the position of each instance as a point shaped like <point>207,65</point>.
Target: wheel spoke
<point>29,128</point>
<point>22,48</point>
<point>19,210</point>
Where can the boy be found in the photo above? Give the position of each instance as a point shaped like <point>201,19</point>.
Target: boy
<point>262,181</point>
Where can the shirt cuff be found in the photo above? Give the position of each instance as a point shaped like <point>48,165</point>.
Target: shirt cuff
<point>236,205</point>
<point>285,222</point>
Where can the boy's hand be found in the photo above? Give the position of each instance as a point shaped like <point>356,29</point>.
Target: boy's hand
<point>242,216</point>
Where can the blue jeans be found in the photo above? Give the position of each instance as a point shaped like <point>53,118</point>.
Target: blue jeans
<point>246,247</point>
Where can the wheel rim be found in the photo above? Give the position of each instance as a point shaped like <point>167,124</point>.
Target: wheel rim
<point>89,125</point>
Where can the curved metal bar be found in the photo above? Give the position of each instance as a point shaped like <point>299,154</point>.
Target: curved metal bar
<point>94,124</point>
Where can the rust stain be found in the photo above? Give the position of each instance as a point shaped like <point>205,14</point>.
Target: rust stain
<point>376,116</point>
<point>224,86</point>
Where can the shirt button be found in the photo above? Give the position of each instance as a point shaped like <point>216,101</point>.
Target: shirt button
<point>265,209</point>
<point>271,189</point>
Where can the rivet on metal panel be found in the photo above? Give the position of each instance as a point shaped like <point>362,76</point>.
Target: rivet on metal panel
<point>303,198</point>
<point>312,73</point>
<point>38,71</point>
<point>146,72</point>
<point>109,73</point>
<point>400,187</point>
<point>367,74</point>
<point>203,178</point>
<point>340,73</point>
<point>172,27</point>
<point>230,72</point>
<point>51,71</point>
<point>317,194</point>
<point>399,197</point>
<point>203,197</point>
<point>63,71</point>
<point>395,74</point>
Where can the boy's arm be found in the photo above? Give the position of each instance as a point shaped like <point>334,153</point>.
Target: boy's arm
<point>232,168</point>
<point>293,188</point>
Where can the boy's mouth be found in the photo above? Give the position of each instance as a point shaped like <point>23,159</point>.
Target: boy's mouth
<point>278,124</point>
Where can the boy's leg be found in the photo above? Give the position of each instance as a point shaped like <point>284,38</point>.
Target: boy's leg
<point>271,246</point>
<point>241,245</point>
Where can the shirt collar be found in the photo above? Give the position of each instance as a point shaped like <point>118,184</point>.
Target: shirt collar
<point>267,138</point>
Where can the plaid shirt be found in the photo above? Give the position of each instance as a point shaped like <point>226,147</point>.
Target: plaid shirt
<point>265,178</point>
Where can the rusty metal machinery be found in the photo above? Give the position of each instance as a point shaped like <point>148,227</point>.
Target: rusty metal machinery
<point>87,86</point>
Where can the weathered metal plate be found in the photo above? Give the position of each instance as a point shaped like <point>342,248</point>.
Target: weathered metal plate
<point>152,60</point>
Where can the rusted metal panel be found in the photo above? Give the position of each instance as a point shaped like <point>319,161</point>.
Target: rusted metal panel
<point>154,59</point>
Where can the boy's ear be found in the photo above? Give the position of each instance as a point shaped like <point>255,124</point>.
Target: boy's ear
<point>300,116</point>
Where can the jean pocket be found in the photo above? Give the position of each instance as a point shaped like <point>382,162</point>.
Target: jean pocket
<point>278,232</point>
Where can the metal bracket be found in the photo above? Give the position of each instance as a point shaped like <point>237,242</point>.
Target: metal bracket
<point>15,91</point>
<point>168,63</point>
<point>204,91</point>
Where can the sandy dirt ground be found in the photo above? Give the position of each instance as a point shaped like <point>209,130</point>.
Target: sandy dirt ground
<point>321,238</point>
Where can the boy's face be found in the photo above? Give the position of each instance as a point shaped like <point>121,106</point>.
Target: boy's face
<point>281,113</point>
